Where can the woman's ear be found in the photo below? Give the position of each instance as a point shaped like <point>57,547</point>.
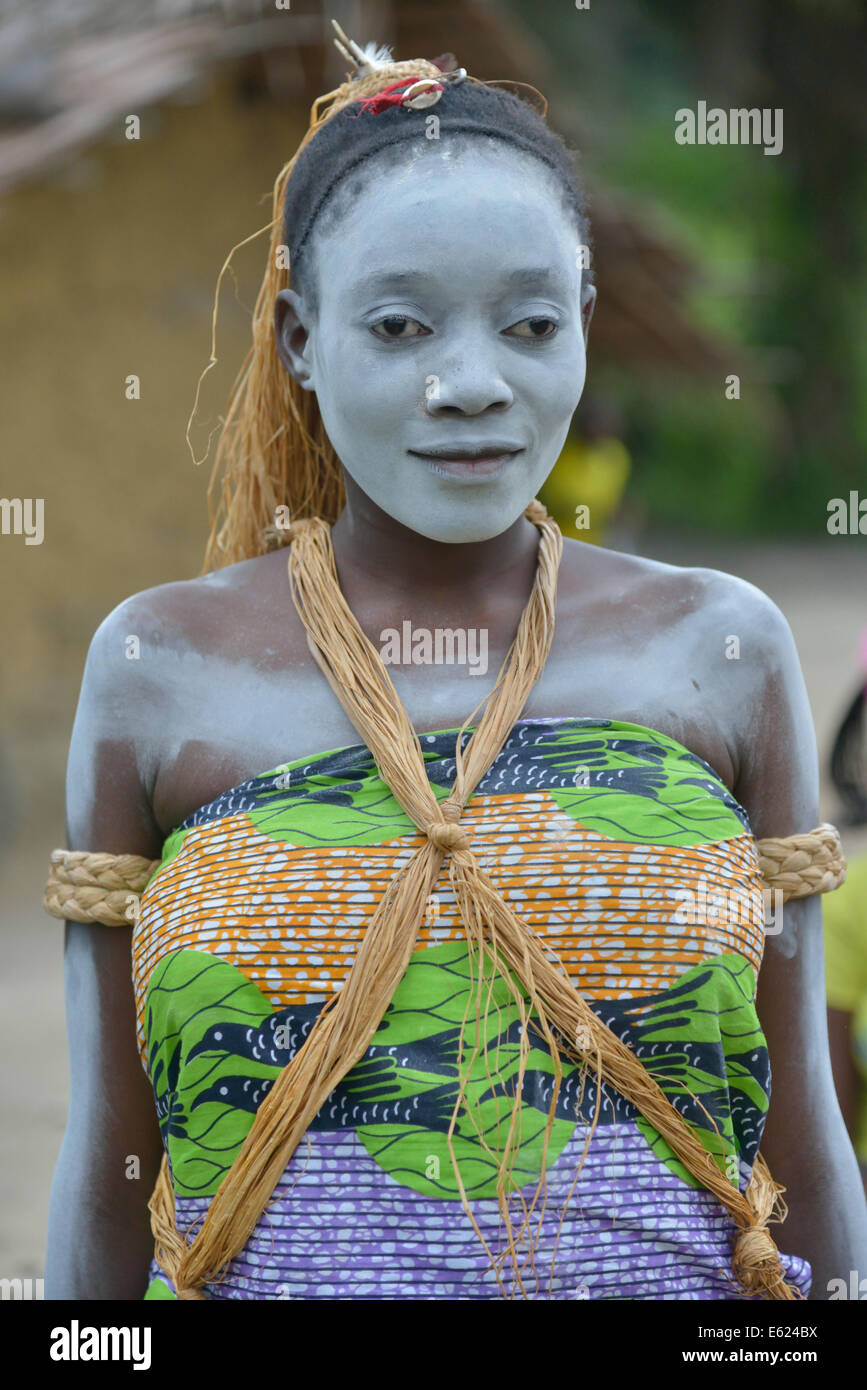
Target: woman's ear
<point>588,304</point>
<point>292,322</point>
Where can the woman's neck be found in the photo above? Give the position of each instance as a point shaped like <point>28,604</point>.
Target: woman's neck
<point>375,554</point>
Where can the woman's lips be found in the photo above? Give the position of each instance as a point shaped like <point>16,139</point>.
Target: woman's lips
<point>471,469</point>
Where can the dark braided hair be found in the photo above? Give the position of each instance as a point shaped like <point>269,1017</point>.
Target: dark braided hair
<point>849,760</point>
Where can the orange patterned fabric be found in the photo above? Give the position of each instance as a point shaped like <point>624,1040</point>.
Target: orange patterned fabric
<point>290,917</point>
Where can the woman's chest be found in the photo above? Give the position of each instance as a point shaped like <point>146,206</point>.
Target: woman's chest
<point>246,719</point>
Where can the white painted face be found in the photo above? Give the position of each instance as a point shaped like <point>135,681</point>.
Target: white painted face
<point>449,319</point>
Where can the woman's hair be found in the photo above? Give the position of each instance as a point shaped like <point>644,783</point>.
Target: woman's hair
<point>274,460</point>
<point>848,761</point>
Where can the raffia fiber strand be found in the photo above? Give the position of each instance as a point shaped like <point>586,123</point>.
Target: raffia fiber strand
<point>273,450</point>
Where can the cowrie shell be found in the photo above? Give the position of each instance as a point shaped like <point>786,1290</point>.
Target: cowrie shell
<point>427,93</point>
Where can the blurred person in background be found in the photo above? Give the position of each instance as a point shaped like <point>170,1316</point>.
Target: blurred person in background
<point>845,919</point>
<point>594,467</point>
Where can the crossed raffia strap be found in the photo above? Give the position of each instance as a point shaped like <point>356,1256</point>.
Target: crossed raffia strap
<point>349,1019</point>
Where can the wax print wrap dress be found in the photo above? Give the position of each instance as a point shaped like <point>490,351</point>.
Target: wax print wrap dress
<point>636,867</point>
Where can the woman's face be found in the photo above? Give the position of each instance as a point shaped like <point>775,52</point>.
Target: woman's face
<point>450,321</point>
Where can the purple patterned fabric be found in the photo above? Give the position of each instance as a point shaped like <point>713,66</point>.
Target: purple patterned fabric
<point>638,1232</point>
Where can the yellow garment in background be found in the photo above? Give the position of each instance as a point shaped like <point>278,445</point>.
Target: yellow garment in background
<point>845,917</point>
<point>587,474</point>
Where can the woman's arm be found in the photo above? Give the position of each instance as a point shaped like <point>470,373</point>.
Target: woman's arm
<point>847,1080</point>
<point>99,1241</point>
<point>805,1141</point>
<point>844,1070</point>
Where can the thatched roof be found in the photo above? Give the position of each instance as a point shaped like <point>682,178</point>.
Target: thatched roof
<point>71,71</point>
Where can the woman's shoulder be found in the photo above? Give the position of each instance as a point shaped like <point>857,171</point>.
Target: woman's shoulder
<point>153,658</point>
<point>195,614</point>
<point>673,591</point>
<point>151,687</point>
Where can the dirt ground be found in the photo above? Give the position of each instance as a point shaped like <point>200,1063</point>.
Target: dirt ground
<point>822,589</point>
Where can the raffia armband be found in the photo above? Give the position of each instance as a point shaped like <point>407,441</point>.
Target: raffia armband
<point>799,865</point>
<point>96,887</point>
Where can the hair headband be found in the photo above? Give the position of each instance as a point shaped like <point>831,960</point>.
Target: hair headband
<point>398,113</point>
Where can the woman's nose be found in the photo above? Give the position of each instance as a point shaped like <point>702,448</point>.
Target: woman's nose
<point>468,383</point>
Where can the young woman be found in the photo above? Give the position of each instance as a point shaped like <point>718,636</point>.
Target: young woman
<point>439,1016</point>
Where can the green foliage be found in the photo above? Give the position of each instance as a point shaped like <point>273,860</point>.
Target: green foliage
<point>700,458</point>
<point>776,243</point>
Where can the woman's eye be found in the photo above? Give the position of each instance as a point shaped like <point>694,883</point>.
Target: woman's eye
<point>393,327</point>
<point>536,327</point>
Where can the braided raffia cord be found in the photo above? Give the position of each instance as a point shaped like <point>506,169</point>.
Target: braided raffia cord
<point>88,887</point>
<point>798,865</point>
